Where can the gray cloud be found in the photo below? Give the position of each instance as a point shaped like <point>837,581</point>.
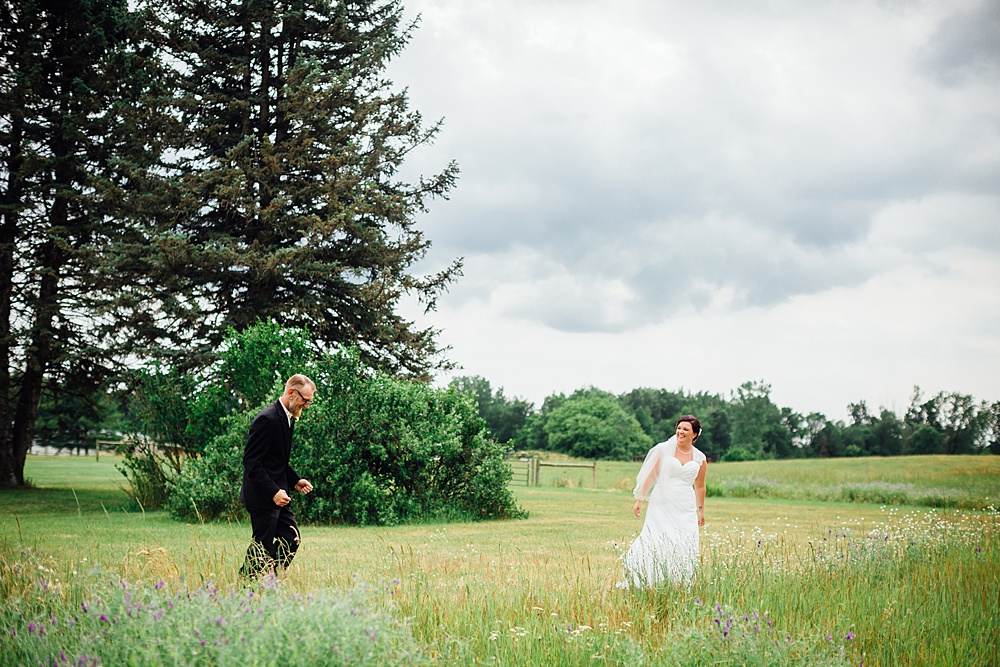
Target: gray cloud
<point>966,46</point>
<point>621,162</point>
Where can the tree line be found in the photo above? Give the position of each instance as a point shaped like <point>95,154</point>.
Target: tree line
<point>746,425</point>
<point>172,170</point>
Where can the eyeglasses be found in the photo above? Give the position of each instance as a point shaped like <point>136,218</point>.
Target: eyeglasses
<point>305,400</point>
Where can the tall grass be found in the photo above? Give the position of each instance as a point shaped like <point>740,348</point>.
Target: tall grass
<point>780,583</point>
<point>956,482</point>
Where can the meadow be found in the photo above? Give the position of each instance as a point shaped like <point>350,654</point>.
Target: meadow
<point>786,579</point>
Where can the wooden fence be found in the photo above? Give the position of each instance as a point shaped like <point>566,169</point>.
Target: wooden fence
<point>527,470</point>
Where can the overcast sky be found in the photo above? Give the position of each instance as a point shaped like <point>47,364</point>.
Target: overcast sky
<point>695,194</point>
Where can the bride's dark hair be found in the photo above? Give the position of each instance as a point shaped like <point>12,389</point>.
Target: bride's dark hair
<point>695,424</point>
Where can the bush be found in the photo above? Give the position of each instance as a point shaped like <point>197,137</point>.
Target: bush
<point>145,469</point>
<point>595,426</point>
<point>377,449</point>
<point>209,485</point>
<point>739,454</point>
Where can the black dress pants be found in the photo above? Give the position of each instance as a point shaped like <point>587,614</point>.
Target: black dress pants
<point>275,540</point>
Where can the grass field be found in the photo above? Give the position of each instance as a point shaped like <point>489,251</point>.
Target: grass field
<point>964,482</point>
<point>840,583</point>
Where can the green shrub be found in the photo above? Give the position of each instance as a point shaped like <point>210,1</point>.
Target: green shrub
<point>146,471</point>
<point>209,485</point>
<point>739,454</point>
<point>377,449</point>
<point>594,425</point>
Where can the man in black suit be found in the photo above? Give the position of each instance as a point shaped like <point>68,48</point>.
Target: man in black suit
<point>268,476</point>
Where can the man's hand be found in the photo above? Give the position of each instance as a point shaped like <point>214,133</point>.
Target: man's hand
<point>281,498</point>
<point>303,486</point>
<point>638,508</point>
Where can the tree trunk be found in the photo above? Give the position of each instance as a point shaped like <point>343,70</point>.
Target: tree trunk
<point>10,473</point>
<point>40,352</point>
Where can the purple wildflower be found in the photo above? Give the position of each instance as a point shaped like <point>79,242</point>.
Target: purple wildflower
<point>104,618</point>
<point>84,605</point>
<point>159,584</point>
<point>850,636</point>
<point>697,601</point>
<point>13,631</point>
<point>31,628</point>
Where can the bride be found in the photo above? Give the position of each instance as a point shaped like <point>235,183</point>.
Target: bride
<point>672,478</point>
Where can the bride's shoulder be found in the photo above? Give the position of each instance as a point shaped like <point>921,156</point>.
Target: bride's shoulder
<point>699,455</point>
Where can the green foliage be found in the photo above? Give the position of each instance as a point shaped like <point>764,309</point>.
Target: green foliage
<point>504,417</point>
<point>208,487</point>
<point>258,358</point>
<point>69,85</point>
<point>739,454</point>
<point>592,424</point>
<point>378,450</point>
<point>283,196</point>
<point>145,468</point>
<point>656,410</point>
<point>67,419</point>
<point>926,439</point>
<point>533,434</point>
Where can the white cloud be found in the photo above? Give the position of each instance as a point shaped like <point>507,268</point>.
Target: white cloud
<point>698,194</point>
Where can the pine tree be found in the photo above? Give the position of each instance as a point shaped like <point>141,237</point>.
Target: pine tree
<point>286,202</point>
<point>69,140</point>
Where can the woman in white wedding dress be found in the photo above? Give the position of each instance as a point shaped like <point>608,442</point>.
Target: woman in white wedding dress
<point>672,479</point>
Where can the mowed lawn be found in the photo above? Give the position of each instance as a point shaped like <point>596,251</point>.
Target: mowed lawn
<point>472,590</point>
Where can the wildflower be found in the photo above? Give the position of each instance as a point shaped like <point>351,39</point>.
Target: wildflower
<point>32,627</point>
<point>697,601</point>
<point>159,584</point>
<point>850,636</point>
<point>104,618</point>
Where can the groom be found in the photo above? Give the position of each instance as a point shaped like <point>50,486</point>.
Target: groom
<point>268,476</point>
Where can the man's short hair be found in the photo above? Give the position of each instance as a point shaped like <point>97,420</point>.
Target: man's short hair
<point>300,382</point>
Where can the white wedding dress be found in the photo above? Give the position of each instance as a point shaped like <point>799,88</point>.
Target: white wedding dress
<point>667,547</point>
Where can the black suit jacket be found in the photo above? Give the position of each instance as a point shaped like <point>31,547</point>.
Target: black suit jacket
<point>266,465</point>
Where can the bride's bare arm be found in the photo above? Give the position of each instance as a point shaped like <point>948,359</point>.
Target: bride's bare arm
<point>699,492</point>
